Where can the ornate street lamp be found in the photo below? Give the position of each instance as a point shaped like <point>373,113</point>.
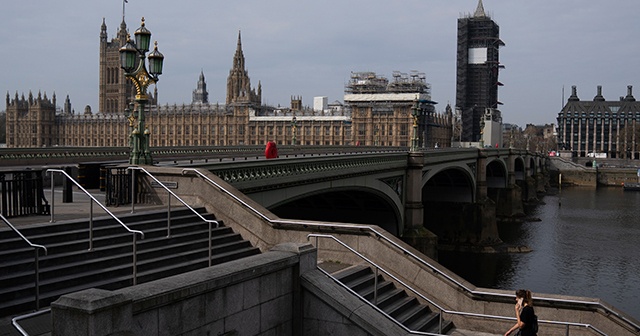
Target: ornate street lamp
<point>414,137</point>
<point>293,130</point>
<point>482,132</point>
<point>141,78</point>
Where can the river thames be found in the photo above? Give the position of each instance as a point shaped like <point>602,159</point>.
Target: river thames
<point>587,243</point>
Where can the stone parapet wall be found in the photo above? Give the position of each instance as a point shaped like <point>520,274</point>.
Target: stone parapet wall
<point>445,288</point>
<point>257,295</point>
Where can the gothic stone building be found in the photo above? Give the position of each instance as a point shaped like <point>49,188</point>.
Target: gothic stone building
<point>243,120</point>
<point>477,67</point>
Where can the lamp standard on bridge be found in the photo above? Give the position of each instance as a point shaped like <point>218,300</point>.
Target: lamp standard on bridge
<point>414,137</point>
<point>293,130</point>
<point>482,132</point>
<point>132,61</point>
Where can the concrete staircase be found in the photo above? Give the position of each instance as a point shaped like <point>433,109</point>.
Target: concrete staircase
<point>394,301</point>
<point>70,267</point>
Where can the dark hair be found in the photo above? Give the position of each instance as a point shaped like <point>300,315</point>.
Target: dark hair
<point>525,294</point>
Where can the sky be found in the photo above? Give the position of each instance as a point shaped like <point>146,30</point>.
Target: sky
<point>309,48</point>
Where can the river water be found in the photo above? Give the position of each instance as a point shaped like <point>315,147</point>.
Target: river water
<point>587,243</point>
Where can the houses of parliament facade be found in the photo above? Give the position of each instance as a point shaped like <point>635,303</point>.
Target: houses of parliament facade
<point>376,112</point>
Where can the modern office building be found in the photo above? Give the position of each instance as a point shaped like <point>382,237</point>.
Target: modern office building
<point>600,127</point>
<point>478,64</point>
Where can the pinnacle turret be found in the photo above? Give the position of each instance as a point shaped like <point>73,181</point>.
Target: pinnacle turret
<point>480,13</point>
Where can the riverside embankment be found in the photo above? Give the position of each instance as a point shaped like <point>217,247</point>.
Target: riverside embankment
<point>608,173</point>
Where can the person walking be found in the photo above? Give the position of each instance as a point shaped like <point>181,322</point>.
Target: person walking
<point>527,321</point>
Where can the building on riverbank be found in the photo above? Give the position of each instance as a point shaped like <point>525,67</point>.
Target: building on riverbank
<point>600,128</point>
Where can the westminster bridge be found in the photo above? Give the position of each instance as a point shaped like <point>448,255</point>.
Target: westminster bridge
<point>455,193</point>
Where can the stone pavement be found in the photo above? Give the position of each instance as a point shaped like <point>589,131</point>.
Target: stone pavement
<point>80,208</point>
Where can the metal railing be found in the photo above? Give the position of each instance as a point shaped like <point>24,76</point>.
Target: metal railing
<point>37,258</point>
<point>441,309</point>
<point>210,222</point>
<point>377,268</point>
<point>22,193</point>
<point>16,320</point>
<point>93,199</point>
<point>378,235</point>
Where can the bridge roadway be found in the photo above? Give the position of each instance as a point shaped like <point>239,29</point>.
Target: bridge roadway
<point>398,190</point>
<point>455,193</point>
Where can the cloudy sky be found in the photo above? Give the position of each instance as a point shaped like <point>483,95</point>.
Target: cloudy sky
<point>309,48</point>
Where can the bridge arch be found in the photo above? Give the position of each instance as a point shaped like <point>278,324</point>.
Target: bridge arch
<point>497,176</point>
<point>448,197</point>
<point>450,184</point>
<point>533,166</point>
<point>357,203</point>
<point>519,169</point>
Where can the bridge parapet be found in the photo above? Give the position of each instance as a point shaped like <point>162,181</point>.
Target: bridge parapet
<point>250,175</point>
<point>266,230</point>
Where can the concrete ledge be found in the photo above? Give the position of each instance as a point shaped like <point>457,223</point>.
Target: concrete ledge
<point>182,286</point>
<point>358,318</point>
<point>249,296</point>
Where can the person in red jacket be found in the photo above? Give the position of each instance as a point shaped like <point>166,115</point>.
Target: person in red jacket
<point>271,152</point>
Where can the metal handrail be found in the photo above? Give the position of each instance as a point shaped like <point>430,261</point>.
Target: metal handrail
<point>415,292</point>
<point>15,320</point>
<point>375,286</point>
<point>93,199</point>
<point>379,235</point>
<point>208,221</point>
<point>37,259</point>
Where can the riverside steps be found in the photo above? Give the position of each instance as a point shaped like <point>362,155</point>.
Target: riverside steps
<point>287,289</point>
<point>69,266</point>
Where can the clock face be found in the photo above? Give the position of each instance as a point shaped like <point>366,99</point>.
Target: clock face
<point>477,55</point>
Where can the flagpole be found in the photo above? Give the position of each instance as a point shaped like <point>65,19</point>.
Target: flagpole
<point>123,2</point>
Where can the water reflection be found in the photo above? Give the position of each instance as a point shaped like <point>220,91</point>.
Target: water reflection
<point>587,246</point>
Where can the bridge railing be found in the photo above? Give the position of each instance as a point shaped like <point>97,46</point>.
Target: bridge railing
<point>22,193</point>
<point>363,228</point>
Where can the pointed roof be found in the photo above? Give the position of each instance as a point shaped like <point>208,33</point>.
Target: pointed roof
<point>479,10</point>
<point>238,58</point>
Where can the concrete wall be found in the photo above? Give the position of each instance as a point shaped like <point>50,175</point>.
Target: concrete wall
<point>259,295</point>
<point>617,176</point>
<point>268,231</point>
<point>278,293</point>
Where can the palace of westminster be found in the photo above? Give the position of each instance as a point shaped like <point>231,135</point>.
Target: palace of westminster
<point>376,111</point>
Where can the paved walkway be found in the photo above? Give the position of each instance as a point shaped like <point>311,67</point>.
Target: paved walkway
<point>80,208</point>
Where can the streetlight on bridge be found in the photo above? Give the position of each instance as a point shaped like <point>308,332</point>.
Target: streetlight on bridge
<point>136,71</point>
<point>293,130</point>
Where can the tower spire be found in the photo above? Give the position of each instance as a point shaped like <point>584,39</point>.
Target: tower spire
<point>480,10</point>
<point>238,58</point>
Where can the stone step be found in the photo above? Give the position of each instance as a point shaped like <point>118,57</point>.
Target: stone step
<point>69,267</point>
<point>395,302</point>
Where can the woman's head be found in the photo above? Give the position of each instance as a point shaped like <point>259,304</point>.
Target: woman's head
<point>525,295</point>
